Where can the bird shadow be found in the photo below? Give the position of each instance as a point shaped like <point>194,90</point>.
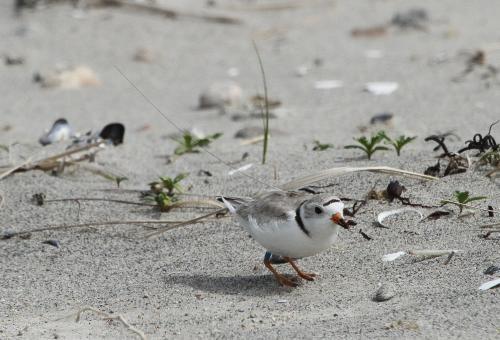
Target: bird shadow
<point>250,285</point>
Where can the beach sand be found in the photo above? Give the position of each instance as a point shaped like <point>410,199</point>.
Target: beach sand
<point>207,280</point>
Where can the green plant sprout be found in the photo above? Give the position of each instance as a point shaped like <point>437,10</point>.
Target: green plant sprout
<point>462,198</point>
<point>399,143</point>
<point>164,191</point>
<point>369,146</point>
<point>191,144</point>
<point>318,146</point>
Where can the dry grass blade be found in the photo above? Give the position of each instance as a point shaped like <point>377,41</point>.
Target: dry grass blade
<point>491,225</point>
<point>14,169</point>
<point>107,316</point>
<point>184,223</point>
<point>333,172</point>
<point>92,224</point>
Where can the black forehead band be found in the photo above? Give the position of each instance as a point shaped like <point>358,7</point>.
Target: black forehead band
<point>331,201</point>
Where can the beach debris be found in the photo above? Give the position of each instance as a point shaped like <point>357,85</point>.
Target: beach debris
<point>318,146</point>
<point>480,143</point>
<point>306,180</point>
<point>414,18</point>
<point>477,60</point>
<point>433,170</point>
<point>249,132</point>
<point>365,236</point>
<point>393,256</point>
<point>60,131</point>
<point>7,234</point>
<point>68,78</point>
<point>204,173</point>
<point>395,190</point>
<point>369,147</point>
<point>448,259</point>
<point>38,198</point>
<point>408,325</point>
<point>381,88</point>
<point>492,270</point>
<point>382,118</point>
<point>144,55</point>
<point>191,144</point>
<point>259,101</point>
<point>369,32</point>
<point>220,94</point>
<point>328,84</point>
<point>490,284</point>
<point>385,214</point>
<point>108,316</point>
<point>12,60</point>
<point>491,211</point>
<point>53,243</point>
<point>436,215</point>
<point>240,169</point>
<point>384,293</point>
<point>113,132</point>
<point>425,253</point>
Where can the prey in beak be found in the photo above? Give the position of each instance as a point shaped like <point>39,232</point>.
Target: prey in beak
<point>338,219</point>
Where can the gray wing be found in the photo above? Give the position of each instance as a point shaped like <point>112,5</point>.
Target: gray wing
<point>272,206</point>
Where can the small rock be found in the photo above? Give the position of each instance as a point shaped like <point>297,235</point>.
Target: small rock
<point>382,118</point>
<point>249,132</point>
<point>414,18</point>
<point>384,293</point>
<point>13,60</point>
<point>492,270</point>
<point>328,84</point>
<point>144,55</point>
<point>381,88</point>
<point>394,190</point>
<point>53,243</point>
<point>68,78</point>
<point>226,93</point>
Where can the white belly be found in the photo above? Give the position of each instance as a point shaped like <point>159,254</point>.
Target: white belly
<point>287,239</point>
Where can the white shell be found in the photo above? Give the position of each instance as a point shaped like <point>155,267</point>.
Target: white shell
<point>383,215</point>
<point>240,169</point>
<point>328,84</point>
<point>490,284</point>
<point>393,256</point>
<point>381,88</point>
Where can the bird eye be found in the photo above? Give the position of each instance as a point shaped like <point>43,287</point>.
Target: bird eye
<point>318,210</point>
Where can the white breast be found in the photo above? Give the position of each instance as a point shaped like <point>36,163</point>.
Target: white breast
<point>285,238</point>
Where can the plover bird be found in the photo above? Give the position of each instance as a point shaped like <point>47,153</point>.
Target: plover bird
<point>290,225</point>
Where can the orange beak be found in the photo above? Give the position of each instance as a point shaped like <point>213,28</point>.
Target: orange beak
<point>337,219</point>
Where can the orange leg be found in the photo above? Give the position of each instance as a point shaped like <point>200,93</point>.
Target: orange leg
<point>305,276</point>
<point>282,280</point>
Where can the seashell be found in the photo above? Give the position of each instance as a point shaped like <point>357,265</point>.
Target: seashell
<point>60,131</point>
<point>383,215</point>
<point>240,169</point>
<point>328,84</point>
<point>384,293</point>
<point>381,88</point>
<point>490,284</point>
<point>393,256</point>
<point>53,243</point>
<point>71,78</point>
<point>113,132</point>
<point>226,93</point>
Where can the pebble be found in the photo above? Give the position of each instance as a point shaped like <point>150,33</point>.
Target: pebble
<point>225,93</point>
<point>384,293</point>
<point>492,270</point>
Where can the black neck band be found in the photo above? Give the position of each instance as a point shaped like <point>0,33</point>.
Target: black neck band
<point>299,220</point>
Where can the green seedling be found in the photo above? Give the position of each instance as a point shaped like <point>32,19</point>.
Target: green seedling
<point>171,185</point>
<point>318,146</point>
<point>191,144</point>
<point>399,143</point>
<point>462,198</point>
<point>369,146</point>
<point>164,201</point>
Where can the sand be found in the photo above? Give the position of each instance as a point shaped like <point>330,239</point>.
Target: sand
<point>208,281</point>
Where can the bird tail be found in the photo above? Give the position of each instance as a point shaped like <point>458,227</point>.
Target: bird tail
<point>232,203</point>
